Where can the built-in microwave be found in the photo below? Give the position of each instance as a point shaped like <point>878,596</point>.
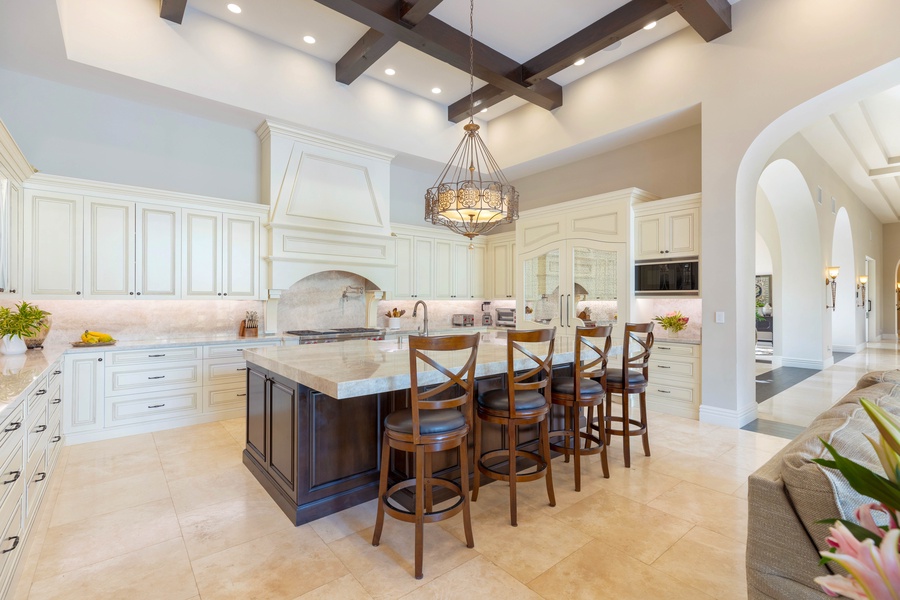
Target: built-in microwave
<point>680,277</point>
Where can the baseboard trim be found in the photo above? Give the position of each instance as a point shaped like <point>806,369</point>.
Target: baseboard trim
<point>850,349</point>
<point>806,363</point>
<point>727,417</point>
<point>886,336</point>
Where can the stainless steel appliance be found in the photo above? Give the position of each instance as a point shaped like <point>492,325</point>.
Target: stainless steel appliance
<point>506,317</point>
<point>322,336</point>
<point>486,319</point>
<point>680,277</point>
<point>463,320</point>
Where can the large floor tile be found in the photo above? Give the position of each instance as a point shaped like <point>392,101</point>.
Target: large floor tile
<point>108,496</point>
<point>278,566</point>
<point>192,493</point>
<point>708,473</point>
<point>344,588</point>
<point>110,448</point>
<point>707,560</point>
<point>634,528</point>
<point>191,439</point>
<point>162,571</point>
<point>341,524</point>
<point>82,543</point>
<point>597,571</point>
<point>237,428</point>
<point>220,526</point>
<point>198,462</point>
<point>641,485</point>
<point>477,578</point>
<point>90,471</point>
<point>723,513</point>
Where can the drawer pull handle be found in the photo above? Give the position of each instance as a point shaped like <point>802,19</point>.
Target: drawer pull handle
<point>157,377</point>
<point>13,426</point>
<point>15,540</point>
<point>15,478</point>
<point>40,392</point>
<point>56,401</point>
<point>663,367</point>
<point>41,476</point>
<point>241,369</point>
<point>664,391</point>
<point>241,395</point>
<point>55,439</point>
<point>156,406</point>
<point>40,429</point>
<point>664,347</point>
<point>239,349</point>
<point>57,372</point>
<point>155,355</point>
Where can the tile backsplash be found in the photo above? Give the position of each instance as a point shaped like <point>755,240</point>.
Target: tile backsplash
<point>647,308</point>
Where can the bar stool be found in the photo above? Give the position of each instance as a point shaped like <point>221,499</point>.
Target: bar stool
<point>632,378</point>
<point>585,389</point>
<point>524,402</point>
<point>430,424</point>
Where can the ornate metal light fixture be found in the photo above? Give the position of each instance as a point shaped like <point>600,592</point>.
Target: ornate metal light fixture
<point>471,196</point>
<point>831,274</point>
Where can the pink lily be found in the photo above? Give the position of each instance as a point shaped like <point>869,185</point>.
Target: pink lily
<point>874,570</point>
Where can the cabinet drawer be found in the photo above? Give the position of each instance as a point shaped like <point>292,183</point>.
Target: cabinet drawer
<point>224,398</point>
<point>35,486</point>
<point>36,439</point>
<point>139,408</point>
<point>12,541</point>
<point>11,431</point>
<point>670,393</point>
<point>227,372</point>
<point>54,397</point>
<point>166,355</point>
<point>671,368</point>
<point>232,350</point>
<point>667,349</point>
<point>130,380</point>
<point>12,477</point>
<point>37,395</point>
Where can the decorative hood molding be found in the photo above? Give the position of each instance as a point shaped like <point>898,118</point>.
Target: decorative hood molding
<point>329,206</point>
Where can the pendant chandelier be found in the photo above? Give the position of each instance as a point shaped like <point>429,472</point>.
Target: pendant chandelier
<point>471,196</point>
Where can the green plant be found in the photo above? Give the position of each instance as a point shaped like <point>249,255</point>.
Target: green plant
<point>759,305</point>
<point>673,321</point>
<point>24,322</point>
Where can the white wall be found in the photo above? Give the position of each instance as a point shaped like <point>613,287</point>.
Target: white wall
<point>65,130</point>
<point>763,255</point>
<point>845,333</point>
<point>767,232</point>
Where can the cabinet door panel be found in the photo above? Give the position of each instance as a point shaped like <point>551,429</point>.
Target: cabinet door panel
<point>460,271</point>
<point>424,259</point>
<point>283,435</point>
<point>500,270</point>
<point>109,248</point>
<point>443,269</point>
<point>158,240</point>
<point>649,236</point>
<point>257,411</point>
<point>477,257</point>
<point>682,229</point>
<point>404,277</point>
<point>202,254</point>
<point>241,253</point>
<point>83,397</point>
<point>54,245</point>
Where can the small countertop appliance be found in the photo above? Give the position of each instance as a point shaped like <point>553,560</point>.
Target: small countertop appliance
<point>463,320</point>
<point>506,317</point>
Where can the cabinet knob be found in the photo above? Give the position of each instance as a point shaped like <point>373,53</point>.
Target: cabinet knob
<point>138,293</point>
<point>131,293</point>
<point>12,291</point>
<point>219,294</point>
<point>225,294</point>
<point>99,360</point>
<point>77,293</point>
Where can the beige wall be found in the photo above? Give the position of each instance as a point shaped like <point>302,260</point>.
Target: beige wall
<point>667,165</point>
<point>889,278</point>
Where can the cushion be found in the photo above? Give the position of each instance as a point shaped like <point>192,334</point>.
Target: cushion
<point>566,385</point>
<point>430,421</point>
<point>820,493</point>
<point>615,376</point>
<point>499,400</point>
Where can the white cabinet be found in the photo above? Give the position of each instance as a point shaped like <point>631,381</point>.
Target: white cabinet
<point>109,248</point>
<point>453,270</point>
<point>501,266</point>
<point>674,374</point>
<point>158,244</point>
<point>477,261</point>
<point>437,266</point>
<point>10,236</point>
<point>415,257</point>
<point>220,256</point>
<point>83,392</point>
<point>667,228</point>
<point>54,244</point>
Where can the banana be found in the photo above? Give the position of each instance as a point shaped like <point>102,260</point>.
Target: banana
<point>95,337</point>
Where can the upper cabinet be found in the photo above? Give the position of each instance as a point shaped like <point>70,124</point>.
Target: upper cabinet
<point>54,245</point>
<point>158,249</point>
<point>501,251</point>
<point>221,254</point>
<point>14,171</point>
<point>666,229</point>
<point>437,266</point>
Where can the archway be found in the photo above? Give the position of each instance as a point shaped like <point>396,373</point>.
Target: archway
<point>800,314</point>
<point>844,313</point>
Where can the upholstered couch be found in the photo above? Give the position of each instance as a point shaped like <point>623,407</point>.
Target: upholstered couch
<point>789,494</point>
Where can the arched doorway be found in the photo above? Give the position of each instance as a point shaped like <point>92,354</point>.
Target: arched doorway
<point>844,313</point>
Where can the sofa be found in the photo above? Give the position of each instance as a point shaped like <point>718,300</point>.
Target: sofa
<point>790,493</point>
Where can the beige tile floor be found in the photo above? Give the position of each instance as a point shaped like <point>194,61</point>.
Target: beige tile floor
<point>174,515</point>
<point>800,404</point>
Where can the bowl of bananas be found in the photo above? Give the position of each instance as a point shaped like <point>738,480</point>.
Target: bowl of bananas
<point>94,338</point>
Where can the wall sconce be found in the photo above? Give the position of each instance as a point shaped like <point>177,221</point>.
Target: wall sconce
<point>861,289</point>
<point>831,274</point>
<point>898,294</point>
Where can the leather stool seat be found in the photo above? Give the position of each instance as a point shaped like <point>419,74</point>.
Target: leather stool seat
<point>525,400</point>
<point>615,376</point>
<point>430,421</point>
<point>566,385</point>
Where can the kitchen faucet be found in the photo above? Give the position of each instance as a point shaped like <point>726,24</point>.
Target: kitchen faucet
<point>424,315</point>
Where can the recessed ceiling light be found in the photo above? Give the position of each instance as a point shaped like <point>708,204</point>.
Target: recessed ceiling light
<point>390,72</point>
<point>309,39</point>
<point>579,62</point>
<point>483,110</point>
<point>234,8</point>
<point>614,46</point>
<point>435,90</point>
<point>650,25</point>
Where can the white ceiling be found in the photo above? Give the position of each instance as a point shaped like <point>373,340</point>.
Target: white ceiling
<point>862,144</point>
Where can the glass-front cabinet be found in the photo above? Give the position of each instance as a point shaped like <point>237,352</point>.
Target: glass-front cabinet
<point>574,282</point>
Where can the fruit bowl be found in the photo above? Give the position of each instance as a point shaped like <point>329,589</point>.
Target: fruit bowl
<point>86,345</point>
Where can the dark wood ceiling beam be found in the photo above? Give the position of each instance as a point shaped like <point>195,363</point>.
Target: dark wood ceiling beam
<point>484,97</point>
<point>172,10</point>
<point>439,40</point>
<point>710,18</point>
<point>374,44</point>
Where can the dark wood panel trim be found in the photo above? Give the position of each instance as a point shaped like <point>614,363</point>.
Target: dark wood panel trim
<point>710,18</point>
<point>172,10</point>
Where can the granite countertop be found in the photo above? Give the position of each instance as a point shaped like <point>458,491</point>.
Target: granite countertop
<point>359,368</point>
<point>676,340</point>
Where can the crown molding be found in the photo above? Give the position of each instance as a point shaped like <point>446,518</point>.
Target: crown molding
<point>320,138</point>
<point>634,195</point>
<point>59,183</point>
<point>12,158</point>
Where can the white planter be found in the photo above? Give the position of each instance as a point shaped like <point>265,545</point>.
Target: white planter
<point>394,323</point>
<point>13,344</point>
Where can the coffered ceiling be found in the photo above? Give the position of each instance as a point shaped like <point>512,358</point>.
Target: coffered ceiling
<point>862,144</point>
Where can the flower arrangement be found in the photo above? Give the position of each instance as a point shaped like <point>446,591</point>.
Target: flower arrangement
<point>673,321</point>
<point>867,551</point>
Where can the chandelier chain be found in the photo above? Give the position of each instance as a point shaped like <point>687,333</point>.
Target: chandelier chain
<point>471,61</point>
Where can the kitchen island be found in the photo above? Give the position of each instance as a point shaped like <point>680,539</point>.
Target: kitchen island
<point>315,417</point>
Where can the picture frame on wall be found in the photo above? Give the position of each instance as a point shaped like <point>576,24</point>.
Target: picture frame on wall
<point>764,289</point>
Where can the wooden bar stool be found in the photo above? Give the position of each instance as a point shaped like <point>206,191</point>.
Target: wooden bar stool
<point>523,402</point>
<point>430,425</point>
<point>586,389</point>
<point>632,378</point>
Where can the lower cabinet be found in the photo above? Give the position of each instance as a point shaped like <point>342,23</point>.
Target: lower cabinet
<point>674,385</point>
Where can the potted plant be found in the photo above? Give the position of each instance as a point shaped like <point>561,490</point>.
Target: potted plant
<point>672,322</point>
<point>16,325</point>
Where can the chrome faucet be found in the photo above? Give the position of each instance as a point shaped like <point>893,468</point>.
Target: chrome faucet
<point>424,315</point>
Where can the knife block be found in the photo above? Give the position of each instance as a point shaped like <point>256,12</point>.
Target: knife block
<point>248,331</point>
